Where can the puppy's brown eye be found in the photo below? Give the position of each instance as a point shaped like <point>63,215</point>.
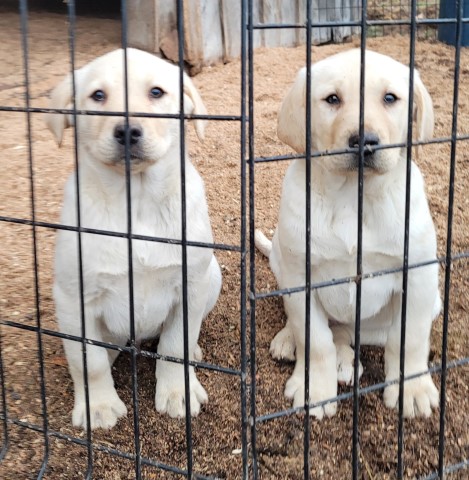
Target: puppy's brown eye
<point>390,98</point>
<point>333,100</point>
<point>98,96</point>
<point>156,92</point>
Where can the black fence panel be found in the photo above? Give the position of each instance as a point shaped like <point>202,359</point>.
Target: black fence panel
<point>52,441</point>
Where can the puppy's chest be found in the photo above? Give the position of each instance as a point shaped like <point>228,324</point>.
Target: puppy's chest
<point>110,254</point>
<point>153,299</point>
<point>335,256</point>
<point>335,236</point>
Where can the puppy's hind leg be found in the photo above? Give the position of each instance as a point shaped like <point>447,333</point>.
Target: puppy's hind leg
<point>263,244</point>
<point>214,286</point>
<point>213,294</point>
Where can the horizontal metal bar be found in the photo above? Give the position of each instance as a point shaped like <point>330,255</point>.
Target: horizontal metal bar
<point>361,391</point>
<point>99,447</point>
<point>67,111</point>
<point>448,469</point>
<point>355,278</point>
<point>326,153</point>
<point>108,233</point>
<point>120,348</point>
<point>358,23</point>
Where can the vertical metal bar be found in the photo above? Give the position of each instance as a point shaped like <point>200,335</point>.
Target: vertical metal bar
<point>252,255</point>
<point>307,419</point>
<point>358,281</point>
<point>243,319</point>
<point>128,189</point>
<point>182,152</point>
<point>405,266</point>
<point>71,40</point>
<point>24,13</point>
<point>449,238</point>
<point>4,410</point>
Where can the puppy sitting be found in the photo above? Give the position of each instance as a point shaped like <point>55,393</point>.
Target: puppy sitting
<point>155,186</point>
<point>335,100</point>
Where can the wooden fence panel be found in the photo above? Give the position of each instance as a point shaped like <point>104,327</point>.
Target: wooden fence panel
<point>212,27</point>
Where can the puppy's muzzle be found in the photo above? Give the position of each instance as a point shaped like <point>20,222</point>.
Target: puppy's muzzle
<point>133,132</point>
<point>370,140</point>
<point>129,138</point>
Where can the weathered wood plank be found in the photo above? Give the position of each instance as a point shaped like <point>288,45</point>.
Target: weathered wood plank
<point>193,38</point>
<point>287,10</point>
<point>258,35</point>
<point>300,18</point>
<point>270,13</point>
<point>143,25</point>
<point>230,13</point>
<point>321,34</point>
<point>212,28</point>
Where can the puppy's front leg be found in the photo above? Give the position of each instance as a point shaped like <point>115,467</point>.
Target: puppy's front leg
<point>322,371</point>
<point>343,338</point>
<point>420,394</point>
<point>282,347</point>
<point>105,405</point>
<point>170,392</point>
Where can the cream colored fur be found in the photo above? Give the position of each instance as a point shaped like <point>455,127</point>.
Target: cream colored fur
<point>334,210</point>
<point>155,182</point>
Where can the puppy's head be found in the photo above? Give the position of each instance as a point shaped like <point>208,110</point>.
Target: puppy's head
<point>153,87</point>
<point>335,109</point>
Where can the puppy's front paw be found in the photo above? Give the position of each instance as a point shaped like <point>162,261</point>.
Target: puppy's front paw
<point>103,414</point>
<point>319,390</point>
<point>345,364</point>
<point>170,397</point>
<point>420,396</point>
<point>282,346</point>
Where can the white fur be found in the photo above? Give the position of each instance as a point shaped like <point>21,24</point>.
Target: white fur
<point>156,211</point>
<point>334,210</point>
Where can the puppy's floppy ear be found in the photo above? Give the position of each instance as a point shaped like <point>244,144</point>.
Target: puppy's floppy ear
<point>423,113</point>
<point>61,98</point>
<point>292,114</point>
<point>193,104</point>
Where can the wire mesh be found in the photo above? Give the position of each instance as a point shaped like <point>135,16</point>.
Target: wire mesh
<point>418,20</point>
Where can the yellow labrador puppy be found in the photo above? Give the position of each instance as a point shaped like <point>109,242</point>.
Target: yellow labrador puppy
<point>335,97</point>
<point>156,211</point>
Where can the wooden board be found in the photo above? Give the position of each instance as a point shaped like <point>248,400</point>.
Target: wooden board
<point>212,28</point>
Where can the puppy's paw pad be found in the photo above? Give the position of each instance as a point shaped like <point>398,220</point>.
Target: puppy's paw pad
<point>345,365</point>
<point>282,346</point>
<point>420,396</point>
<point>102,415</point>
<point>172,400</point>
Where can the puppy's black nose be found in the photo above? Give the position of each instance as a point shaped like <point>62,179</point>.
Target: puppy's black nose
<point>135,132</point>
<point>370,139</point>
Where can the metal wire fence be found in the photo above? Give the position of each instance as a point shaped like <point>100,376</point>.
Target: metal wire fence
<point>384,11</point>
<point>375,17</point>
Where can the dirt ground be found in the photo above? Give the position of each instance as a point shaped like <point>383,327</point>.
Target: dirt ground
<point>216,432</point>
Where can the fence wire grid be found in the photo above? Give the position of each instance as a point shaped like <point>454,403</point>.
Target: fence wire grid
<point>374,17</point>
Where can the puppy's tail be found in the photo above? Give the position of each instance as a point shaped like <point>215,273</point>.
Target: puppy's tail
<point>263,244</point>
